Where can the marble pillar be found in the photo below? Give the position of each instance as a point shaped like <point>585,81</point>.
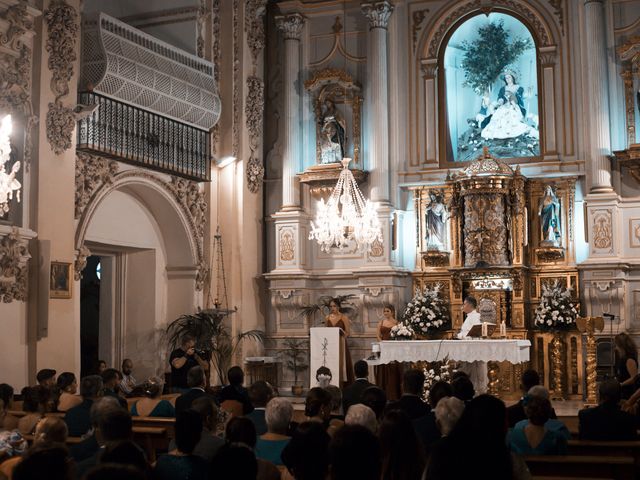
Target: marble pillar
<point>598,97</point>
<point>378,14</point>
<point>291,27</point>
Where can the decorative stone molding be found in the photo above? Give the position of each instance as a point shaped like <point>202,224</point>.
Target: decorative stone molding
<point>287,245</point>
<point>201,19</point>
<point>254,112</point>
<point>62,25</point>
<point>186,197</point>
<point>20,22</point>
<point>215,58</point>
<point>602,229</point>
<point>417,18</point>
<point>443,26</point>
<point>61,121</point>
<point>235,126</point>
<point>15,69</point>
<point>80,262</point>
<point>558,11</point>
<point>14,258</point>
<point>92,172</point>
<point>291,25</point>
<point>254,27</point>
<point>377,13</point>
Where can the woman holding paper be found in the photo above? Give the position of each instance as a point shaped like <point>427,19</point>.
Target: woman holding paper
<point>339,320</point>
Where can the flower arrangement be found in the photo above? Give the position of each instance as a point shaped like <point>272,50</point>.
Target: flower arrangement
<point>436,372</point>
<point>427,312</point>
<point>400,331</point>
<point>557,310</point>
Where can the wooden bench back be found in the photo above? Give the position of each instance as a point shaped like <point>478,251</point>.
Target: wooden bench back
<point>617,468</point>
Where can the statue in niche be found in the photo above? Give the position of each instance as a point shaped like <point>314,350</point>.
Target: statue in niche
<point>333,133</point>
<point>549,213</point>
<point>435,221</point>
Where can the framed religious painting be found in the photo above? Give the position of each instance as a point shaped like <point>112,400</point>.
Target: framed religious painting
<point>60,280</point>
<point>489,85</point>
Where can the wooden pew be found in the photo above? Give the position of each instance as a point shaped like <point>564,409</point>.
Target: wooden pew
<point>616,468</point>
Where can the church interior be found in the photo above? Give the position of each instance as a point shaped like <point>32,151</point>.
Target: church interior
<point>247,173</point>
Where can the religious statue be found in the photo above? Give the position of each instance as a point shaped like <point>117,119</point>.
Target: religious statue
<point>549,213</point>
<point>435,221</point>
<point>333,134</point>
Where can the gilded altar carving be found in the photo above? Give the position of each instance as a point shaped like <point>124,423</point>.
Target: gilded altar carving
<point>602,230</point>
<point>14,257</point>
<point>92,172</point>
<point>485,230</point>
<point>287,246</point>
<point>62,26</point>
<point>332,89</point>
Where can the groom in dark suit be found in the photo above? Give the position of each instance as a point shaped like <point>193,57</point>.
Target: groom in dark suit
<point>410,401</point>
<point>196,381</point>
<point>353,393</point>
<point>607,422</point>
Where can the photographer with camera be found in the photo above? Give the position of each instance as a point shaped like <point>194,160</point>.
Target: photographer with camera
<point>182,360</point>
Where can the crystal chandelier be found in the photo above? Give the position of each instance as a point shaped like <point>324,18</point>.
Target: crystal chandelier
<point>8,182</point>
<point>346,216</point>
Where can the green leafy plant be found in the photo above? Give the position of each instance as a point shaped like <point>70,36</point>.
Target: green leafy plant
<point>295,352</point>
<point>322,306</point>
<point>212,337</point>
<point>486,57</point>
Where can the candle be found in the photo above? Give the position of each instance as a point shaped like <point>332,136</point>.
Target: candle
<point>503,330</point>
<point>484,329</point>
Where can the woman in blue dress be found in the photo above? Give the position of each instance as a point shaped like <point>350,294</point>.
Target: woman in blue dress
<point>532,437</point>
<point>152,405</point>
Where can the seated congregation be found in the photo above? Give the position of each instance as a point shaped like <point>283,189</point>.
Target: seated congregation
<point>239,433</point>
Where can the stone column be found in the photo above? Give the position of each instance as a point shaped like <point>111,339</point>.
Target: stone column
<point>598,97</point>
<point>378,14</point>
<point>291,27</point>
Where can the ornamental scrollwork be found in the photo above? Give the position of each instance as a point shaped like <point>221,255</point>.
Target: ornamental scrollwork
<point>254,111</point>
<point>602,230</point>
<point>92,172</point>
<point>61,121</point>
<point>62,25</point>
<point>254,27</point>
<point>255,173</point>
<point>80,262</point>
<point>19,21</point>
<point>13,267</point>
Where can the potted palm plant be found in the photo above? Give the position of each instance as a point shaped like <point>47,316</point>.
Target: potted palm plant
<point>295,352</point>
<point>213,339</point>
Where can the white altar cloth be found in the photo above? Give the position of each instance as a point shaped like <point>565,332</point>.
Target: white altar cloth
<point>513,351</point>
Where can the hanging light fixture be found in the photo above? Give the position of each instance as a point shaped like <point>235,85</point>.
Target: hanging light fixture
<point>346,216</point>
<point>8,182</point>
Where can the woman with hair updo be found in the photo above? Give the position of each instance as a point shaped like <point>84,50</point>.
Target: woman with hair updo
<point>317,405</point>
<point>389,376</point>
<point>152,405</point>
<point>533,438</point>
<point>626,364</point>
<point>338,319</point>
<point>67,385</point>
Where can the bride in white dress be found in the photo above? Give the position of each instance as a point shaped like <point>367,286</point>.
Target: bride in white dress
<point>507,121</point>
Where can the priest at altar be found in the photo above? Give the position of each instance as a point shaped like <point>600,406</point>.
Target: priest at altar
<point>477,370</point>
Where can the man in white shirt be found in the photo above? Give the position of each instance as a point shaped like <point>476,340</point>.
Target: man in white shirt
<point>128,383</point>
<point>473,317</point>
<point>477,370</point>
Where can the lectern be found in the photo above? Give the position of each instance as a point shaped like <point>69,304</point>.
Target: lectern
<point>326,345</point>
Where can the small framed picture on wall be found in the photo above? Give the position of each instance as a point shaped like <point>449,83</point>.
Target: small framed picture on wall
<point>60,280</point>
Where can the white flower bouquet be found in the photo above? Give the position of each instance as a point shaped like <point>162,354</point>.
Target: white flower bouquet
<point>557,310</point>
<point>436,372</point>
<point>400,331</point>
<point>427,312</point>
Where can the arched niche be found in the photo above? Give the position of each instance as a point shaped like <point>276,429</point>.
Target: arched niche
<point>430,56</point>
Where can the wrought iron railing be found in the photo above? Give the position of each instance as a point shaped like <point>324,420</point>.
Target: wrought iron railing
<point>139,137</point>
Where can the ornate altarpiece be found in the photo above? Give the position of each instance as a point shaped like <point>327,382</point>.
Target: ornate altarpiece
<point>494,249</point>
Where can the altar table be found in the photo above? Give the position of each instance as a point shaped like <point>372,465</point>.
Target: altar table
<point>490,350</point>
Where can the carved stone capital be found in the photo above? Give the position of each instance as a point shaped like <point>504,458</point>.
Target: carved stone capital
<point>14,257</point>
<point>378,13</point>
<point>290,25</point>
